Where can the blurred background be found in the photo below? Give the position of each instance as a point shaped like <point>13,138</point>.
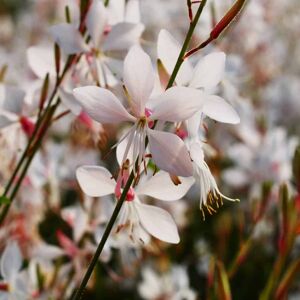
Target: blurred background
<point>246,250</point>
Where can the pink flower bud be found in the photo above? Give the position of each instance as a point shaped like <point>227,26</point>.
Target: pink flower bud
<point>27,125</point>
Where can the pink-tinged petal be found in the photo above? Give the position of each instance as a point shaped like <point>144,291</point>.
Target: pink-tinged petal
<point>11,261</point>
<point>177,104</point>
<point>132,13</point>
<point>170,153</point>
<point>41,61</point>
<point>68,38</point>
<point>158,222</point>
<point>209,71</point>
<point>218,109</point>
<point>138,78</point>
<point>95,181</point>
<point>168,50</point>
<point>123,36</point>
<point>95,21</point>
<point>102,105</point>
<point>160,186</point>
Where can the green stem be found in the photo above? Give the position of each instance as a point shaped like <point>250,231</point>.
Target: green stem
<point>186,43</point>
<point>104,238</point>
<point>106,2</point>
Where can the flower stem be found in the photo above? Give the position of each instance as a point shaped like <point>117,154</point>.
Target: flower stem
<point>186,43</point>
<point>104,238</point>
<point>31,149</point>
<point>29,143</point>
<point>79,292</point>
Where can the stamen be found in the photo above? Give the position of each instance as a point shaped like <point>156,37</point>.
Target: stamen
<point>214,200</point>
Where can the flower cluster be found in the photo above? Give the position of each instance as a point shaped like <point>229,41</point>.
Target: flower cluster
<point>124,125</point>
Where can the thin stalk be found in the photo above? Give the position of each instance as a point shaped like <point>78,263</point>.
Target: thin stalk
<point>35,146</point>
<point>186,43</point>
<point>80,291</point>
<point>37,127</point>
<point>32,137</point>
<point>25,152</point>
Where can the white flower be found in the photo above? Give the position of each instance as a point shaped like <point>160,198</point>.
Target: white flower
<point>138,218</point>
<point>168,150</point>
<point>124,11</point>
<point>15,121</point>
<point>107,44</point>
<point>173,285</point>
<point>14,285</point>
<point>206,75</point>
<point>268,159</point>
<point>12,105</point>
<point>41,61</point>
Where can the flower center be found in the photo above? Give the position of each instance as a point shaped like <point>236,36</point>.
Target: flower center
<point>148,113</point>
<point>130,195</point>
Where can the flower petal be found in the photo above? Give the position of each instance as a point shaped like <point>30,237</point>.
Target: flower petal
<point>170,153</point>
<point>123,146</point>
<point>138,78</point>
<point>11,99</point>
<point>102,105</point>
<point>123,36</point>
<point>160,186</point>
<point>197,154</point>
<point>177,104</point>
<point>68,99</point>
<point>96,20</point>
<point>68,38</point>
<point>168,50</point>
<point>209,71</point>
<point>7,118</point>
<point>236,177</point>
<point>41,61</point>
<point>116,11</point>
<point>150,287</point>
<point>218,109</point>
<point>47,252</point>
<point>132,13</point>
<point>95,181</point>
<point>11,261</point>
<point>193,125</point>
<point>158,223</point>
